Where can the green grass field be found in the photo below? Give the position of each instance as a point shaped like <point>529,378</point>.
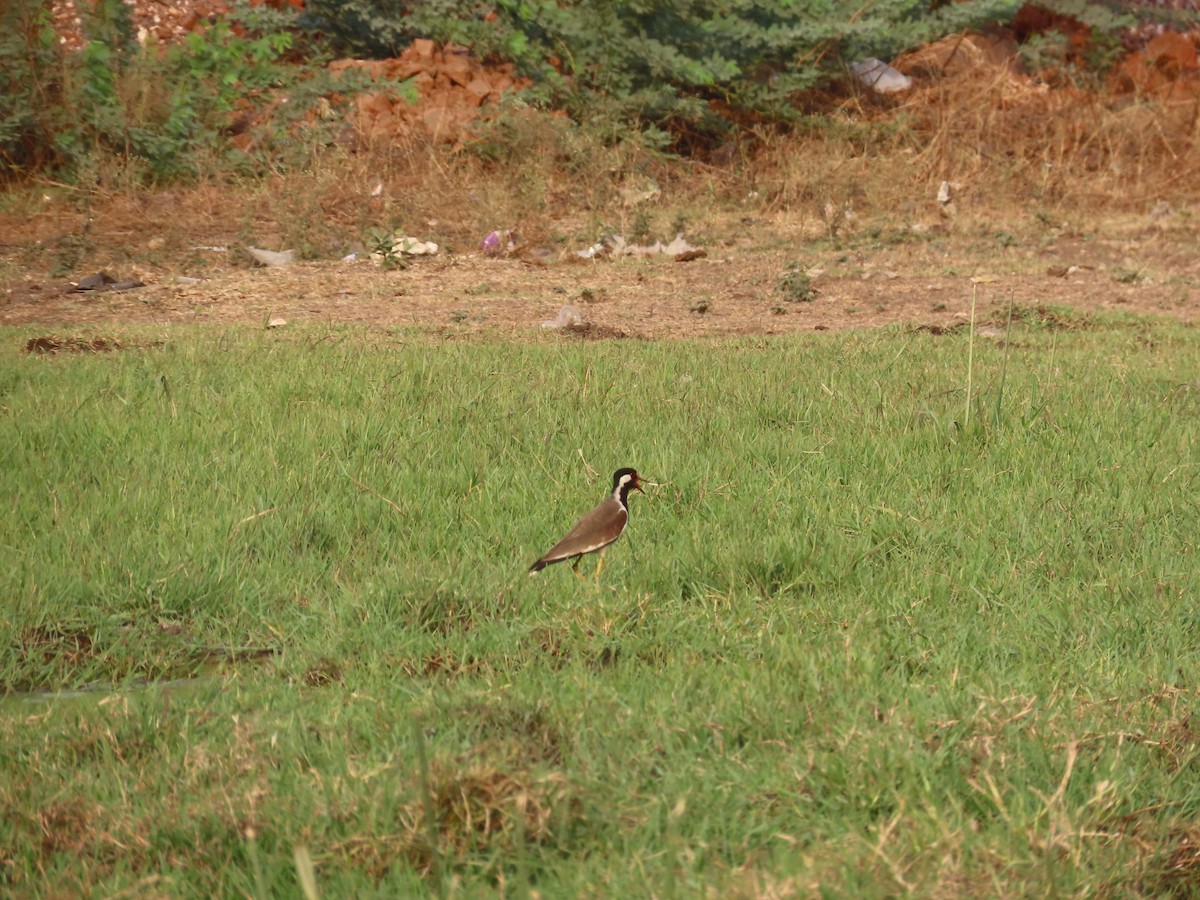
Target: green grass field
<point>266,607</point>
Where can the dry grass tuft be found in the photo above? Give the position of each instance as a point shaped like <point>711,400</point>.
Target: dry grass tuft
<point>480,812</point>
<point>590,331</point>
<point>51,344</point>
<point>66,826</point>
<point>442,664</point>
<point>323,674</point>
<point>1180,873</point>
<point>1045,316</point>
<point>481,807</point>
<point>49,643</point>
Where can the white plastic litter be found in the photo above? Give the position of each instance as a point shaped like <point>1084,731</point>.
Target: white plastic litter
<point>880,77</point>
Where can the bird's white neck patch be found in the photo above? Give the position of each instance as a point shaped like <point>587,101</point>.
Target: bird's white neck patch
<point>625,481</point>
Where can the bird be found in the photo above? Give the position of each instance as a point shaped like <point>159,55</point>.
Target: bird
<point>597,529</point>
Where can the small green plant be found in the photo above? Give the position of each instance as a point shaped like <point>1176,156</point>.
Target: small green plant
<point>795,284</point>
<point>31,87</point>
<point>639,229</point>
<point>383,246</point>
<point>155,115</point>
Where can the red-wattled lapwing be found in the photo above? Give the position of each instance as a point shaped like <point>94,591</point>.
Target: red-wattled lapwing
<point>597,529</point>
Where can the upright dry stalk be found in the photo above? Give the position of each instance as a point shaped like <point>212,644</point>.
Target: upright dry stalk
<point>970,358</point>
<point>431,829</point>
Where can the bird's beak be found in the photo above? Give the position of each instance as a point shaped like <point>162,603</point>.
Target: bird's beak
<point>638,484</point>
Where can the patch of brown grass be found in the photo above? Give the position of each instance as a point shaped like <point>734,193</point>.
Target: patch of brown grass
<point>1045,316</point>
<point>65,826</point>
<point>72,645</point>
<point>443,663</point>
<point>1179,875</point>
<point>481,808</point>
<point>591,331</point>
<point>52,344</point>
<point>1168,857</point>
<point>479,811</point>
<point>323,674</point>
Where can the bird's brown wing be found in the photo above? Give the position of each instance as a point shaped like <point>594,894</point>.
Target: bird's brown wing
<point>593,532</point>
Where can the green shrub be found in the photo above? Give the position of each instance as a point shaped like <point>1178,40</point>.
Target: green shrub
<point>156,114</point>
<point>31,86</point>
<point>675,69</point>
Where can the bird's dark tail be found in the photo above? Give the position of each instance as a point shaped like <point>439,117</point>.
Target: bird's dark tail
<point>537,567</point>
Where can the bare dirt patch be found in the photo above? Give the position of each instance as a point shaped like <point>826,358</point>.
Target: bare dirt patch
<point>899,277</point>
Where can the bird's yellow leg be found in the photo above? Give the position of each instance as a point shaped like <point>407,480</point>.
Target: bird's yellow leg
<point>575,568</point>
<point>599,566</point>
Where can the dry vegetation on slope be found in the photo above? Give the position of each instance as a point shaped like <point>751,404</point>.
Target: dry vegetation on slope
<point>1068,194</point>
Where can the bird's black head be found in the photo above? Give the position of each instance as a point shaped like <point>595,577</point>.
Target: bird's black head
<point>625,480</point>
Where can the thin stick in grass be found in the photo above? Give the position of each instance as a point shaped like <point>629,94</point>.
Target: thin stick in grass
<point>431,829</point>
<point>1007,350</point>
<point>371,490</point>
<point>970,358</point>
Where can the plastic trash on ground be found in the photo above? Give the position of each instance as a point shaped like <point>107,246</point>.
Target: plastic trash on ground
<point>880,77</point>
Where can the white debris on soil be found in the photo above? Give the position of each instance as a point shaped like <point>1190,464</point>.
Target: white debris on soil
<point>406,246</point>
<point>272,257</point>
<point>616,245</point>
<point>567,316</point>
<point>880,77</point>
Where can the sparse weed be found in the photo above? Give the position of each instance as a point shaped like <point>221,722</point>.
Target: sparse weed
<point>795,284</point>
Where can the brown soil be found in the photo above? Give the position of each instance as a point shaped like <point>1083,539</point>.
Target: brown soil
<point>927,280</point>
